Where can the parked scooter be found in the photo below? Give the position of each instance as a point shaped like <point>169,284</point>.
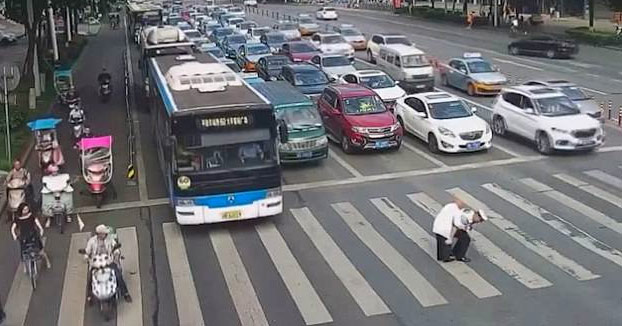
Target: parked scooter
<point>16,193</point>
<point>57,199</point>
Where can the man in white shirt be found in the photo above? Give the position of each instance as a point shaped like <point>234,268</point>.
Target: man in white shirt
<point>453,222</point>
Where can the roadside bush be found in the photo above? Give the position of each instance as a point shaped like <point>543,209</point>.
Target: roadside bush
<point>440,14</point>
<point>584,35</point>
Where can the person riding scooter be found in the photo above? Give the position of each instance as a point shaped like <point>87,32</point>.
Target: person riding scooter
<point>105,90</point>
<point>104,76</point>
<point>18,175</point>
<point>102,243</point>
<point>76,119</point>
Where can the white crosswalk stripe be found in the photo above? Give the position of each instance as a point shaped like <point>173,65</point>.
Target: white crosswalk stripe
<point>418,286</point>
<point>74,287</point>
<point>574,204</point>
<point>605,178</point>
<point>130,314</point>
<point>355,283</point>
<point>487,248</point>
<point>558,224</point>
<point>537,246</point>
<point>593,190</point>
<point>461,272</point>
<point>307,300</point>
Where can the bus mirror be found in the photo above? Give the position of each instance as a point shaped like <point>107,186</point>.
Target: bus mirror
<point>283,132</point>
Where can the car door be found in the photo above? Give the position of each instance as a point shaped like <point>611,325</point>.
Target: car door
<point>457,74</point>
<point>350,79</point>
<point>261,68</point>
<point>327,106</point>
<point>513,112</point>
<point>419,125</point>
<point>377,41</point>
<point>529,115</point>
<point>316,40</point>
<point>241,56</point>
<point>285,50</point>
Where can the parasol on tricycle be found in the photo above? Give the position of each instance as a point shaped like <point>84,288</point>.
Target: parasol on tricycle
<point>63,82</point>
<point>96,162</point>
<point>46,144</point>
<point>57,199</point>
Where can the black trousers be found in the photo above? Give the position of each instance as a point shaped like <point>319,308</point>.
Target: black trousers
<point>120,281</point>
<point>443,250</point>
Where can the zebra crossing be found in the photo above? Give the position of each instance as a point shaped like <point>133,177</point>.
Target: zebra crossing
<point>410,217</point>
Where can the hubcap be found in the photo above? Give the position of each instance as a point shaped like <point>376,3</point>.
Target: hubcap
<point>498,126</point>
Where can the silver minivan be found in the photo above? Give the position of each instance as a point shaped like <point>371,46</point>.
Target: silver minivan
<point>408,65</point>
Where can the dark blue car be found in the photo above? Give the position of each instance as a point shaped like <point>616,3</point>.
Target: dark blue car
<point>307,78</point>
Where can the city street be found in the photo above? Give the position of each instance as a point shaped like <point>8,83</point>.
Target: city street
<point>354,245</point>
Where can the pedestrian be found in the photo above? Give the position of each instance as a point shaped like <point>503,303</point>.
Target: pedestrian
<point>470,19</point>
<point>451,227</point>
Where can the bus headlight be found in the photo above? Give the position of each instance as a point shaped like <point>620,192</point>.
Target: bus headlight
<point>185,202</point>
<point>274,192</point>
<point>183,182</point>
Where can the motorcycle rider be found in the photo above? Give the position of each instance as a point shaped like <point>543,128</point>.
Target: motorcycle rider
<point>76,115</point>
<point>104,76</point>
<point>102,243</point>
<point>19,172</point>
<point>27,229</point>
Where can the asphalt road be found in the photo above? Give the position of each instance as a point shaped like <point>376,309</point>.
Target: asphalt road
<point>354,242</point>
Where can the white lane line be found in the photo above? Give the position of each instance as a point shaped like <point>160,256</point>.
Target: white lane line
<point>593,90</point>
<point>574,204</point>
<point>123,205</point>
<point>416,284</point>
<point>18,301</point>
<point>537,246</point>
<point>73,298</point>
<point>609,148</point>
<point>130,314</point>
<point>360,290</point>
<point>593,190</point>
<point>605,178</point>
<point>558,224</point>
<point>240,287</point>
<point>464,274</point>
<point>487,248</point>
<point>188,308</point>
<point>423,154</point>
<point>580,64</point>
<point>304,295</point>
<point>344,163</point>
<point>517,64</point>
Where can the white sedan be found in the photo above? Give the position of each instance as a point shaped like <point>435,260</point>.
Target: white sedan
<point>444,121</point>
<point>326,13</point>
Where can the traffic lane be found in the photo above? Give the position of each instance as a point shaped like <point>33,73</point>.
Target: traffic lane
<point>326,169</point>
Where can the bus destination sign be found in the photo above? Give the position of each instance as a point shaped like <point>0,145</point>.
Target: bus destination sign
<point>236,121</point>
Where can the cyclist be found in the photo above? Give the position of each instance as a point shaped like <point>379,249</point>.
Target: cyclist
<point>27,229</point>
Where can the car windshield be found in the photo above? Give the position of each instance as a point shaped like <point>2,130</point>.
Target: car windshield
<point>306,20</point>
<point>258,49</point>
<point>223,32</point>
<point>575,93</point>
<point>236,39</point>
<point>363,105</point>
<point>223,157</point>
<point>333,39</point>
<point>217,52</point>
<point>414,60</point>
<point>380,81</point>
<point>350,32</point>
<point>301,48</point>
<point>246,26</point>
<point>278,38</point>
<point>193,34</point>
<point>259,31</point>
<point>398,40</point>
<point>449,110</point>
<point>337,61</point>
<point>287,26</point>
<point>557,106</point>
<point>235,21</point>
<point>480,67</point>
<point>300,117</point>
<point>310,78</point>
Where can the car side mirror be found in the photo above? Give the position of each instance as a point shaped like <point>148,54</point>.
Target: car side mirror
<point>283,135</point>
<point>473,109</point>
<point>332,79</point>
<point>463,71</point>
<point>530,111</point>
<point>421,114</point>
<point>397,82</point>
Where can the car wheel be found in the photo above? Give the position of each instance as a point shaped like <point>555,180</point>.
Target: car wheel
<point>514,50</point>
<point>550,54</point>
<point>433,144</point>
<point>543,143</point>
<point>471,89</point>
<point>498,126</point>
<point>370,57</point>
<point>345,145</point>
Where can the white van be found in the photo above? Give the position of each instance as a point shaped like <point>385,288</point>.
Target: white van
<point>408,65</point>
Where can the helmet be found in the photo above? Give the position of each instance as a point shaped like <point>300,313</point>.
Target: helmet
<point>102,229</point>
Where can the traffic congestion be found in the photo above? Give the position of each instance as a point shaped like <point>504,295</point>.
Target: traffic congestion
<point>295,165</point>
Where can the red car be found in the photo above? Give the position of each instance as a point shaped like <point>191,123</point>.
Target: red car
<point>300,50</point>
<point>356,117</point>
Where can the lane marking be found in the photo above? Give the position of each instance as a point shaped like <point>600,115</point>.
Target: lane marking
<point>123,205</point>
<point>593,90</point>
<point>423,154</point>
<point>518,64</point>
<point>240,287</point>
<point>352,170</point>
<point>487,248</point>
<point>537,246</point>
<point>73,299</point>
<point>358,287</point>
<point>130,314</point>
<point>304,295</point>
<point>416,284</point>
<point>610,148</point>
<point>605,178</point>
<point>188,307</point>
<point>574,204</point>
<point>464,274</point>
<point>558,224</point>
<point>593,190</point>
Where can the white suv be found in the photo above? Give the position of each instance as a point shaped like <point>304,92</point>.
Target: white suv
<point>547,117</point>
<point>444,121</point>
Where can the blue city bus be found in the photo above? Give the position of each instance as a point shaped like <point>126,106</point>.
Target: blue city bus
<point>217,140</point>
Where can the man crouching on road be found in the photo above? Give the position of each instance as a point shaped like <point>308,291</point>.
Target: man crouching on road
<point>453,222</point>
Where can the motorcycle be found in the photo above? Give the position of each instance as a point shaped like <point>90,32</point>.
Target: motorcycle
<point>96,163</point>
<point>105,90</point>
<point>46,144</point>
<point>57,199</point>
<point>77,123</point>
<point>16,193</point>
<point>104,287</point>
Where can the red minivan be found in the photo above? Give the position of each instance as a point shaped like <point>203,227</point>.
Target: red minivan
<point>356,117</point>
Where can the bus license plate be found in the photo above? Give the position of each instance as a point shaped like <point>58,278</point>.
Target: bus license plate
<point>472,146</point>
<point>232,215</point>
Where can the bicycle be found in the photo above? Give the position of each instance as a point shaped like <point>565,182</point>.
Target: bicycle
<point>31,258</point>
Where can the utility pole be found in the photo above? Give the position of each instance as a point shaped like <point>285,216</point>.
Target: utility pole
<point>591,4</point>
<point>68,24</point>
<point>495,14</point>
<point>53,30</point>
<point>35,59</point>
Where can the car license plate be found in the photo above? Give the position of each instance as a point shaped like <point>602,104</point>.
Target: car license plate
<point>304,155</point>
<point>471,146</point>
<point>232,215</point>
<point>382,144</point>
<point>586,142</point>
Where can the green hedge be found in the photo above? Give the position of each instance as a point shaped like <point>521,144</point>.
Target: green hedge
<point>456,16</point>
<point>583,35</point>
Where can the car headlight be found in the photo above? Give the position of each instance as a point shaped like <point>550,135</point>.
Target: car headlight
<point>321,141</point>
<point>285,146</point>
<point>185,202</point>
<point>446,132</point>
<point>360,130</point>
<point>488,129</point>
<point>395,126</point>
<point>183,182</point>
<point>561,131</point>
<point>272,49</point>
<point>274,192</point>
